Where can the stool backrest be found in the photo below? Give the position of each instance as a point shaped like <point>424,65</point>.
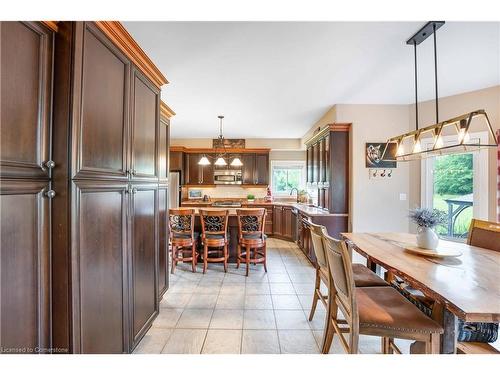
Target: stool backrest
<point>251,221</point>
<point>181,221</point>
<point>485,234</point>
<point>317,232</point>
<point>214,222</point>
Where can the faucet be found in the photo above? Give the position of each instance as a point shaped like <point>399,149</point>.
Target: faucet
<point>297,190</point>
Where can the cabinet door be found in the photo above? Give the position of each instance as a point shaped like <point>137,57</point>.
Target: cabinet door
<point>100,106</point>
<point>287,222</point>
<point>145,127</point>
<point>163,241</point>
<point>309,164</point>
<point>144,259</point>
<point>26,92</point>
<point>207,174</point>
<point>176,161</point>
<point>247,170</point>
<point>315,171</point>
<point>277,220</point>
<point>99,268</point>
<point>261,174</point>
<point>163,150</point>
<point>24,267</point>
<point>327,159</point>
<point>193,172</point>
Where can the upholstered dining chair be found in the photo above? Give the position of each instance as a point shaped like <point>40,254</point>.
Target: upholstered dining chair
<point>373,311</point>
<point>485,234</point>
<point>182,236</point>
<point>251,237</point>
<point>214,237</point>
<point>363,276</point>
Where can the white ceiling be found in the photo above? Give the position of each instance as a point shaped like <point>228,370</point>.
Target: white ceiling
<point>275,79</point>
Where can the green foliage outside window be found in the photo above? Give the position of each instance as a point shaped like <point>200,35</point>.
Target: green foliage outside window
<point>285,179</point>
<point>453,174</point>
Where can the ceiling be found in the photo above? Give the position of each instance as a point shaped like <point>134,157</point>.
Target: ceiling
<point>276,79</point>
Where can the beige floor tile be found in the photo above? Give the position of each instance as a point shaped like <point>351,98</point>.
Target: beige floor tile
<point>202,301</point>
<point>278,278</point>
<point>286,302</point>
<point>301,277</point>
<point>222,342</point>
<point>257,288</point>
<point>185,341</point>
<point>153,341</point>
<point>297,342</point>
<point>232,288</point>
<point>259,319</point>
<point>183,287</point>
<point>167,318</point>
<point>227,319</point>
<point>319,317</point>
<point>304,288</point>
<point>175,300</point>
<point>235,278</point>
<point>281,288</point>
<point>228,301</point>
<point>260,342</point>
<point>262,301</point>
<point>195,318</point>
<point>257,277</point>
<point>208,288</point>
<point>291,319</point>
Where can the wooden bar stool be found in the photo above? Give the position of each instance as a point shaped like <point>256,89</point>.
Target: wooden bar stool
<point>373,311</point>
<point>251,224</point>
<point>182,236</point>
<point>214,237</point>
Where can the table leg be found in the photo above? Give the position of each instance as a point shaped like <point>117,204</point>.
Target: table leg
<point>450,325</point>
<point>373,266</point>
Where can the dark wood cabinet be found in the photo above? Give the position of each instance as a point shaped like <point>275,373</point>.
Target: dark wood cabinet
<point>255,169</point>
<point>196,174</point>
<point>286,230</point>
<point>248,168</point>
<point>26,90</point>
<point>309,164</point>
<point>25,266</point>
<point>163,240</point>
<point>278,221</point>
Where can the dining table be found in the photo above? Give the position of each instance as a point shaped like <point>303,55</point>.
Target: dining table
<point>463,287</point>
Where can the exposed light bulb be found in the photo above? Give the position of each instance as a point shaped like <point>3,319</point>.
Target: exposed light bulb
<point>204,161</point>
<point>439,142</point>
<point>417,147</point>
<point>236,162</point>
<point>463,136</point>
<point>220,161</point>
<point>401,150</point>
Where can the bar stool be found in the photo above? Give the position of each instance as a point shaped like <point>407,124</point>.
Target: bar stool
<point>214,236</point>
<point>363,276</point>
<point>182,236</point>
<point>251,224</point>
<point>373,311</point>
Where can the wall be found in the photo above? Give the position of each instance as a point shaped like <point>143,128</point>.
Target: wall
<point>272,143</point>
<point>451,106</point>
<point>328,118</point>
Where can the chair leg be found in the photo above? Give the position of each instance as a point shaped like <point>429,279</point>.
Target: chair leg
<point>193,258</point>
<point>265,257</point>
<point>247,259</point>
<point>174,259</point>
<point>238,254</point>
<point>225,258</point>
<point>386,345</point>
<point>205,258</point>
<point>328,333</point>
<point>353,340</point>
<point>432,345</point>
<point>315,296</point>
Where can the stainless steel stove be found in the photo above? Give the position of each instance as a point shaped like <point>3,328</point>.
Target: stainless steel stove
<point>226,204</point>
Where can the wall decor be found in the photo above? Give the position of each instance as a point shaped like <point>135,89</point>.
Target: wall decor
<point>228,143</point>
<point>374,153</point>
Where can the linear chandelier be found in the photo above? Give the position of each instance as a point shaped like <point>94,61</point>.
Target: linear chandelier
<point>409,146</point>
<point>220,158</point>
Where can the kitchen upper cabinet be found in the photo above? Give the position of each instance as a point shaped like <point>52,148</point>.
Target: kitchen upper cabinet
<point>25,266</point>
<point>143,259</point>
<point>26,91</point>
<point>315,164</point>
<point>99,273</point>
<point>196,174</point>
<point>309,164</point>
<point>247,169</point>
<point>176,161</point>
<point>163,241</point>
<point>255,169</point>
<point>145,127</point>
<point>100,105</point>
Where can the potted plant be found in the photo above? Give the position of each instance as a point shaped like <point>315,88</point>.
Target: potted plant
<point>426,221</point>
<point>251,197</point>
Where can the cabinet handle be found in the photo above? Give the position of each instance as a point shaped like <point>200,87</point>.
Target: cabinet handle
<point>134,190</point>
<point>133,172</point>
<point>50,194</point>
<point>50,164</point>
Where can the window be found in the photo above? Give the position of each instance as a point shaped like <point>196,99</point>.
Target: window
<point>457,185</point>
<point>287,175</point>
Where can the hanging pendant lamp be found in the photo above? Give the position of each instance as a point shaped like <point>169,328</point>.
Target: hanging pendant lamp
<point>409,146</point>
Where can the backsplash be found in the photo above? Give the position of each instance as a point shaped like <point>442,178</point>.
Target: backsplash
<point>227,191</point>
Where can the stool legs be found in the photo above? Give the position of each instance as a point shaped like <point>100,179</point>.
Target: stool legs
<point>174,258</point>
<point>238,254</point>
<point>205,258</point>
<point>193,257</point>
<point>247,259</point>
<point>265,257</point>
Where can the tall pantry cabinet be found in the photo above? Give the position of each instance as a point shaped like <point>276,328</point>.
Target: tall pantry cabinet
<point>83,188</point>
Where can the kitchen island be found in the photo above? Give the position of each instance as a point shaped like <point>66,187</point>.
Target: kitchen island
<point>285,220</point>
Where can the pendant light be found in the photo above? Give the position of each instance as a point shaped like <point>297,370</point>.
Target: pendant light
<point>220,159</point>
<point>409,145</point>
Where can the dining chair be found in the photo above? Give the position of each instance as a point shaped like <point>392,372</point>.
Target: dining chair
<point>251,237</point>
<point>182,236</point>
<point>373,311</point>
<point>214,237</point>
<point>363,276</point>
<point>485,234</point>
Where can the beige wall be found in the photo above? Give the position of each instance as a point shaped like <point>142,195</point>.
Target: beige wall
<point>272,143</point>
<point>328,118</point>
<point>451,106</point>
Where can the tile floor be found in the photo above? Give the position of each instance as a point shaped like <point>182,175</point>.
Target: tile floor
<point>266,313</point>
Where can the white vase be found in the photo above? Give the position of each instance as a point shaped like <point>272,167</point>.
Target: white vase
<point>427,238</point>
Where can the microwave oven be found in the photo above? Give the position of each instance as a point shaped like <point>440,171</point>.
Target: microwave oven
<point>227,177</point>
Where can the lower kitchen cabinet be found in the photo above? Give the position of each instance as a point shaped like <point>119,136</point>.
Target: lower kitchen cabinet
<point>277,221</point>
<point>282,222</point>
<point>25,266</point>
<point>163,241</point>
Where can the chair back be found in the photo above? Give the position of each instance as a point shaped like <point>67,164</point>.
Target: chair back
<point>485,234</point>
<point>214,222</point>
<point>251,222</point>
<point>317,234</point>
<point>181,222</point>
<point>341,276</point>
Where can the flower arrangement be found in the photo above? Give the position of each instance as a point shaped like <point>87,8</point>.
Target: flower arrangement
<point>426,218</point>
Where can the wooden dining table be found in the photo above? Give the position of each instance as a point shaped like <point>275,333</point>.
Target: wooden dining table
<point>465,287</point>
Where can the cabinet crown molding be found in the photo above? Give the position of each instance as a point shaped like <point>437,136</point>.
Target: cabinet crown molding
<point>123,40</point>
<point>165,110</point>
<point>336,127</point>
<point>216,150</point>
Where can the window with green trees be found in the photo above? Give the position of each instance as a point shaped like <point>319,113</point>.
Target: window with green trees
<point>286,177</point>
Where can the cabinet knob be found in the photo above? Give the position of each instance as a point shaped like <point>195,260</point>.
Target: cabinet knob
<point>134,190</point>
<point>50,194</point>
<point>50,164</point>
